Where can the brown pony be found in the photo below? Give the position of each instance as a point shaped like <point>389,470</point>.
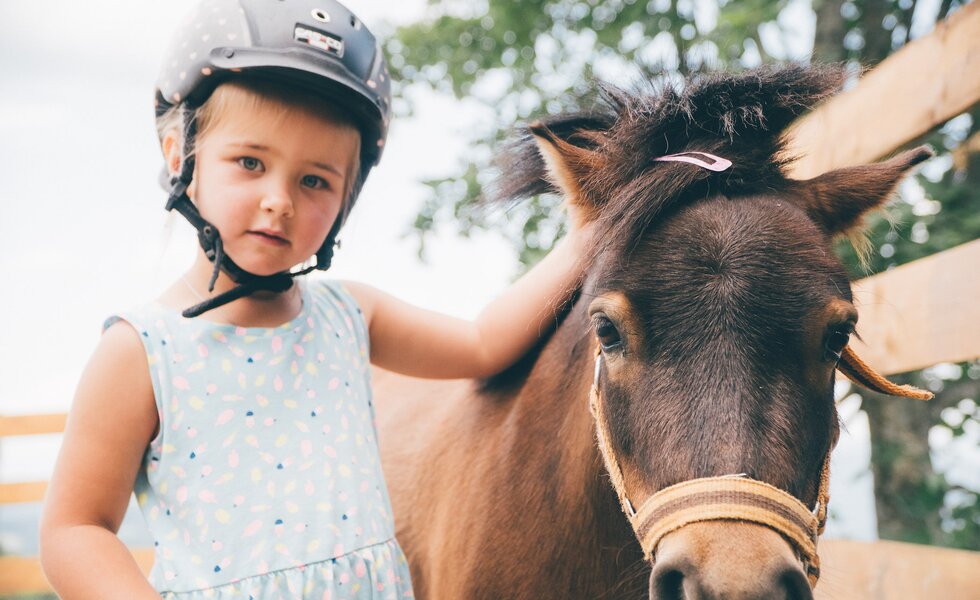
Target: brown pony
<point>721,313</point>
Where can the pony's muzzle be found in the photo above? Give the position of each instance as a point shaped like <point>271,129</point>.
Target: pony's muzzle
<point>727,559</point>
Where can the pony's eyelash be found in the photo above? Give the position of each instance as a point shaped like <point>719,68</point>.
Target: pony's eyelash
<point>591,327</point>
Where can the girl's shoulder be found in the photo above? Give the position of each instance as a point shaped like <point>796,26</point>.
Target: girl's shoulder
<point>331,291</point>
<point>335,294</point>
<point>333,297</point>
<point>148,320</point>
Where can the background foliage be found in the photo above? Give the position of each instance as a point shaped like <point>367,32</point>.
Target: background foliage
<point>522,60</point>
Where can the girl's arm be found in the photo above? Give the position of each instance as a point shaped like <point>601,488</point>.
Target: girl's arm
<point>112,419</point>
<point>418,342</point>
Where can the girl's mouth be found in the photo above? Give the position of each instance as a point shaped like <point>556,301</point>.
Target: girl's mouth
<point>270,237</point>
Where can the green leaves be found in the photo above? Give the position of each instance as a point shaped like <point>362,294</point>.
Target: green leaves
<point>528,59</point>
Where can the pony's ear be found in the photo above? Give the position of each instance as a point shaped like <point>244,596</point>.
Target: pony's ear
<point>838,199</point>
<point>569,167</point>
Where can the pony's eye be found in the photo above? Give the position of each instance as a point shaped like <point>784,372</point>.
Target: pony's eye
<point>836,341</point>
<point>607,333</point>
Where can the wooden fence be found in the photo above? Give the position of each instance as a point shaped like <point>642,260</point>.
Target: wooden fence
<point>912,317</point>
<point>924,312</point>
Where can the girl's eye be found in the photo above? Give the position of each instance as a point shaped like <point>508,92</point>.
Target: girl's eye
<point>312,181</point>
<point>250,163</point>
<point>837,340</point>
<point>607,333</point>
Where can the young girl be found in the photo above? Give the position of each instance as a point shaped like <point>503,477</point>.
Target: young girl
<point>245,423</point>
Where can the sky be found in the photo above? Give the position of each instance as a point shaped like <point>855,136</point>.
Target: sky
<point>85,233</point>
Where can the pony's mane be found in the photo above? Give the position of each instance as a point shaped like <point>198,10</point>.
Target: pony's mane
<point>739,116</point>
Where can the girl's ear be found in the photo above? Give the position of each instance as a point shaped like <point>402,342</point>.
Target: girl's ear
<point>838,199</point>
<point>172,148</point>
<point>569,168</point>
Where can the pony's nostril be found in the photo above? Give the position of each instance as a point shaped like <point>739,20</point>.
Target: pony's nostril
<point>667,584</point>
<point>794,584</point>
<point>679,580</point>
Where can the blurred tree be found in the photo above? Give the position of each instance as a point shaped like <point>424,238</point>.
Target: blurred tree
<point>522,60</point>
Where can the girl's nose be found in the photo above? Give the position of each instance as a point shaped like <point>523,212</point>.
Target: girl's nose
<point>277,199</point>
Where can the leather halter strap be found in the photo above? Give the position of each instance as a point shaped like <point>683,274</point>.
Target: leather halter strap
<point>724,498</point>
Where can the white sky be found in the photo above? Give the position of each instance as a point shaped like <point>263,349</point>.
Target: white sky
<point>85,232</point>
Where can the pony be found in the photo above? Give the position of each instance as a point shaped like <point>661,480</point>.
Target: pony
<point>708,326</point>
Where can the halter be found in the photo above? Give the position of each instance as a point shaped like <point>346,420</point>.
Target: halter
<point>726,498</point>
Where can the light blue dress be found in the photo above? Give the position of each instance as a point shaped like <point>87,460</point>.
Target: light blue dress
<point>265,479</point>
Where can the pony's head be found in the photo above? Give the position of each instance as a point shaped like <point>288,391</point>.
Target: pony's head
<point>719,309</point>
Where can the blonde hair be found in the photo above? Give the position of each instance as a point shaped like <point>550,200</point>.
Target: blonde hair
<point>251,96</point>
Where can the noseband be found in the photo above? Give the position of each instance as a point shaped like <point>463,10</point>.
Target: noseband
<point>725,498</point>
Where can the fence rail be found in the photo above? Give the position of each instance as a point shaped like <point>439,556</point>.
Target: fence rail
<point>23,575</point>
<point>881,570</point>
<point>921,313</point>
<point>922,85</point>
<point>28,425</point>
<point>32,424</point>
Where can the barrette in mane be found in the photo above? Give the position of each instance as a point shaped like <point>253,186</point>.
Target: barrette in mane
<point>717,164</point>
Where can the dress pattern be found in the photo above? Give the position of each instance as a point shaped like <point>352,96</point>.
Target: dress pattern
<point>265,480</point>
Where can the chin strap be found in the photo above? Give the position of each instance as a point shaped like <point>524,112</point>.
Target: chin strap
<point>280,282</point>
<point>210,239</point>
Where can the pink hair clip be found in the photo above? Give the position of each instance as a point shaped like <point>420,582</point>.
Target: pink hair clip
<point>717,163</point>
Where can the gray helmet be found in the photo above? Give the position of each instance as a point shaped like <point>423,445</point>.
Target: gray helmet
<point>317,45</point>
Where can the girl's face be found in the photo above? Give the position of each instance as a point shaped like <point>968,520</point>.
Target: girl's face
<point>273,182</point>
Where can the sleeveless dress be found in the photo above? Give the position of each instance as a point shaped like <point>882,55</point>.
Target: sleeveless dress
<point>265,480</point>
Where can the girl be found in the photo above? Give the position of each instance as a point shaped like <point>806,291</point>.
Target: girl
<point>247,433</point>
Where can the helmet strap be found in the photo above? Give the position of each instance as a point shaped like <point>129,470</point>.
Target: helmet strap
<point>324,256</point>
<point>210,239</point>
